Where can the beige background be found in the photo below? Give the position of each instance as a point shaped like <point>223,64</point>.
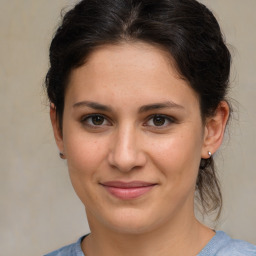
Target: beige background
<point>39,211</point>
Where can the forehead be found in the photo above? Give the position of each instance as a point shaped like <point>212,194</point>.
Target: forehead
<point>138,54</point>
<point>132,71</point>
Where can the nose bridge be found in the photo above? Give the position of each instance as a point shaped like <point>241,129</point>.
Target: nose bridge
<point>125,153</point>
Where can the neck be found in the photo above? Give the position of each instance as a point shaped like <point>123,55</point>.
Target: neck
<point>182,236</point>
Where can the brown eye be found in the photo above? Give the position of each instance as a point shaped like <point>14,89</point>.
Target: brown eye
<point>159,120</point>
<point>97,120</point>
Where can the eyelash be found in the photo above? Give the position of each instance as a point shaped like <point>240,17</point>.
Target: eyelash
<point>85,121</point>
<point>167,121</point>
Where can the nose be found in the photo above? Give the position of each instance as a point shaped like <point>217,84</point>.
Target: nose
<point>126,152</point>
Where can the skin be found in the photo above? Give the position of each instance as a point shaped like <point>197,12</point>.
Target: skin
<point>127,85</point>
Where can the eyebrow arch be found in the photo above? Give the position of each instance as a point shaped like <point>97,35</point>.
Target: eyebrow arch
<point>93,105</point>
<point>145,108</point>
<point>167,104</point>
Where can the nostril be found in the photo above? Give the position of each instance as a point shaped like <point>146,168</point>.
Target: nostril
<point>126,160</point>
<point>125,152</point>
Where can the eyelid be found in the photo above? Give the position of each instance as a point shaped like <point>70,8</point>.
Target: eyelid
<point>169,119</point>
<point>86,117</point>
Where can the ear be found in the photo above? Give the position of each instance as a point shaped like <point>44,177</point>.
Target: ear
<point>56,128</point>
<point>214,130</point>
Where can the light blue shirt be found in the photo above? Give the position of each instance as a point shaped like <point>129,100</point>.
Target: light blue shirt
<point>220,245</point>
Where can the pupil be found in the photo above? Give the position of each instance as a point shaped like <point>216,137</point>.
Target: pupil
<point>97,120</point>
<point>158,120</point>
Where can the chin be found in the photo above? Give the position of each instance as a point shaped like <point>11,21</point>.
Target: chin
<point>131,228</point>
<point>132,221</point>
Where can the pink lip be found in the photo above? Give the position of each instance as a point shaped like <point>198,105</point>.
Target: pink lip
<point>127,190</point>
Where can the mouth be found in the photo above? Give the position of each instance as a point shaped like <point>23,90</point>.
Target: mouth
<point>127,190</point>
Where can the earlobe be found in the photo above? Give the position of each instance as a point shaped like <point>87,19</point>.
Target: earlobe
<point>215,129</point>
<point>56,128</point>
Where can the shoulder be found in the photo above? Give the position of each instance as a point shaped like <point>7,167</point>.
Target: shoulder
<point>234,247</point>
<point>69,250</point>
<point>223,245</point>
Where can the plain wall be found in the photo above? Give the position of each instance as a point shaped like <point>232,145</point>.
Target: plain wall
<point>39,211</point>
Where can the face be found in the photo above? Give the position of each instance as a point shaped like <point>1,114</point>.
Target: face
<point>133,138</point>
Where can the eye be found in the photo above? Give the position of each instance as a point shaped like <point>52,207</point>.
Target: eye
<point>95,120</point>
<point>159,121</point>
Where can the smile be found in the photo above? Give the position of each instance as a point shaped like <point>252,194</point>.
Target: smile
<point>127,190</point>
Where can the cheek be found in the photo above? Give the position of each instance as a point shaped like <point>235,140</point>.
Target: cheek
<point>178,156</point>
<point>84,153</point>
<point>85,157</point>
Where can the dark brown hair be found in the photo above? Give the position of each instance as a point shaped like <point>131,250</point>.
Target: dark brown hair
<point>184,28</point>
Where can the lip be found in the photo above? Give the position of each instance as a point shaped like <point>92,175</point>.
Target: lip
<point>127,190</point>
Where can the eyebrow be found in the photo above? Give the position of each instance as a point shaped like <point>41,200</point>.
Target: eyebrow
<point>93,105</point>
<point>167,104</point>
<point>144,108</point>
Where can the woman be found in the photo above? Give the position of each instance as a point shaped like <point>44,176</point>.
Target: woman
<point>138,108</point>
